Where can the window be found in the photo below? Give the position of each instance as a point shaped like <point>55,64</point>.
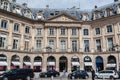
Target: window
<point>109,28</point>
<point>97,31</point>
<point>74,46</point>
<point>86,45</point>
<point>110,44</point>
<point>15,43</point>
<point>51,31</point>
<point>16,27</point>
<point>38,44</point>
<point>108,13</point>
<point>5,7</point>
<point>2,42</point>
<point>4,24</point>
<point>39,31</point>
<point>98,45</point>
<point>27,29</point>
<point>26,45</point>
<point>63,45</point>
<point>74,32</point>
<point>62,31</point>
<point>86,32</point>
<point>51,43</point>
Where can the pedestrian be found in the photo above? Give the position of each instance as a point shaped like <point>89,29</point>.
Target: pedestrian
<point>93,74</point>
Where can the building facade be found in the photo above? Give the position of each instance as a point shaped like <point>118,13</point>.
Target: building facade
<point>70,39</point>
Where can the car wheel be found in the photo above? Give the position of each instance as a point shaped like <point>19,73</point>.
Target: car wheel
<point>73,77</point>
<point>86,77</point>
<point>96,77</point>
<point>45,76</point>
<point>111,77</point>
<point>28,78</point>
<point>5,78</point>
<point>56,75</point>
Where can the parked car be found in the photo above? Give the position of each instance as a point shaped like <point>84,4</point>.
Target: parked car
<point>78,74</point>
<point>24,74</point>
<point>49,73</point>
<point>109,74</point>
<point>118,74</point>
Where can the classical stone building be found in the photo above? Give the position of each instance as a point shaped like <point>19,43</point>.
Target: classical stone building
<point>59,39</point>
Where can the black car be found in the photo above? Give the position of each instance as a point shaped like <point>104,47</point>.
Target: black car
<point>24,74</point>
<point>49,73</point>
<point>78,75</point>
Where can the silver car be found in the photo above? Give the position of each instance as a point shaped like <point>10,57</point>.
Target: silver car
<point>109,74</point>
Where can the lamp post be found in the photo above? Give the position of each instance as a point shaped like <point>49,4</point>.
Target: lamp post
<point>117,49</point>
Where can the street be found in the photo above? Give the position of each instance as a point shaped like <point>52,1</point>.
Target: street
<point>62,77</point>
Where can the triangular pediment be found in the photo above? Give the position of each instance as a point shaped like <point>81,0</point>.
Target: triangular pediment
<point>63,18</point>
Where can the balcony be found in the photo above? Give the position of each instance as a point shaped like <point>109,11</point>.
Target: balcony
<point>63,50</point>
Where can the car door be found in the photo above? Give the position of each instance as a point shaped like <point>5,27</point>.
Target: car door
<point>101,74</point>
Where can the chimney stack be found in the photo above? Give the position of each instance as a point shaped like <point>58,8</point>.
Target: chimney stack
<point>14,1</point>
<point>24,4</point>
<point>95,6</point>
<point>115,0</point>
<point>47,6</point>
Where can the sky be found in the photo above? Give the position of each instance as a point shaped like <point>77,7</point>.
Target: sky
<point>64,4</point>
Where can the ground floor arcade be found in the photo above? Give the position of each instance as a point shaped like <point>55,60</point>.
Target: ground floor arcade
<point>58,61</point>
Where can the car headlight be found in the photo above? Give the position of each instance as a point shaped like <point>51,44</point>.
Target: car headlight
<point>1,75</point>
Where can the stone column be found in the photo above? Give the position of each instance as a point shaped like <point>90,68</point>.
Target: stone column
<point>21,61</point>
<point>104,47</point>
<point>69,43</point>
<point>81,63</point>
<point>22,36</point>
<point>10,28</point>
<point>57,64</point>
<point>44,63</point>
<point>92,47</point>
<point>33,38</point>
<point>69,65</point>
<point>57,40</point>
<point>32,61</point>
<point>9,62</point>
<point>80,39</point>
<point>45,39</point>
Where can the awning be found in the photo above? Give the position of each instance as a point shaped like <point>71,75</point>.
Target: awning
<point>88,63</point>
<point>28,63</point>
<point>3,63</point>
<point>51,63</point>
<point>111,65</point>
<point>75,63</point>
<point>16,63</point>
<point>37,64</point>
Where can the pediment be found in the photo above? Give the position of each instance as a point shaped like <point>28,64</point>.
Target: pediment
<point>63,18</point>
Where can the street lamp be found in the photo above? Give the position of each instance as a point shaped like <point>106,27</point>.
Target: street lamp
<point>117,49</point>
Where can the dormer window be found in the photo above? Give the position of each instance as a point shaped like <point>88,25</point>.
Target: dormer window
<point>28,14</point>
<point>18,11</point>
<point>85,17</point>
<point>5,6</point>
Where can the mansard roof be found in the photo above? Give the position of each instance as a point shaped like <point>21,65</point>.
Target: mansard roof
<point>74,12</point>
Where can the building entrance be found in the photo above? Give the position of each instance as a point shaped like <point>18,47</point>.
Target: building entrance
<point>63,64</point>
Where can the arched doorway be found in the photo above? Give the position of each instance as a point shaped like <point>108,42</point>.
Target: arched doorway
<point>51,63</point>
<point>15,62</point>
<point>26,62</point>
<point>3,62</point>
<point>75,65</point>
<point>111,63</point>
<point>88,63</point>
<point>99,63</point>
<point>63,62</point>
<point>37,64</point>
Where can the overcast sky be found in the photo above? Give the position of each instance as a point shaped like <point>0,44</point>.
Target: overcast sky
<point>63,4</point>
